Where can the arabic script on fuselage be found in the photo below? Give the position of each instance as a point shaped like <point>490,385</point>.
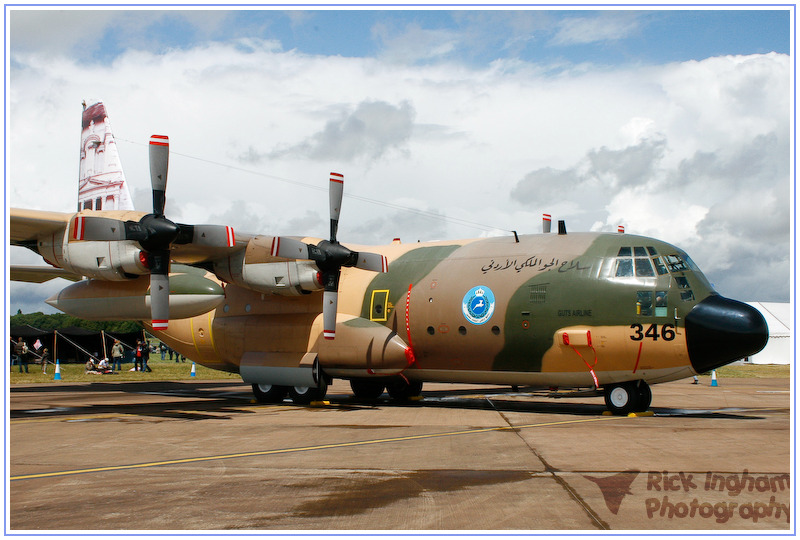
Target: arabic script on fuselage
<point>535,263</point>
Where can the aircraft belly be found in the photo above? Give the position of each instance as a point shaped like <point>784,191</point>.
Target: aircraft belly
<point>542,380</point>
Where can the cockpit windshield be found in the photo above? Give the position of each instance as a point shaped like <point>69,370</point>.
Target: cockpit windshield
<point>645,261</point>
<point>646,265</point>
<point>638,261</point>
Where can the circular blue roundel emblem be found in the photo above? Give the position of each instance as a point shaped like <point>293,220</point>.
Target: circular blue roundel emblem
<point>478,305</point>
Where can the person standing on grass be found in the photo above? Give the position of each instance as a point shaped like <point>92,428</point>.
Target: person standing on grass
<point>45,360</point>
<point>116,356</point>
<point>137,363</point>
<point>145,356</point>
<point>21,350</point>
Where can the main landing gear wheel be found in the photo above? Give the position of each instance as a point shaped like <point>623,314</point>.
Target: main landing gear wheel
<point>269,393</point>
<point>367,389</point>
<point>628,397</point>
<point>303,395</point>
<point>401,389</point>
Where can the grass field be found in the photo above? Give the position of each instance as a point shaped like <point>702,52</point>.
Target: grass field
<point>162,371</point>
<point>758,371</point>
<point>170,371</point>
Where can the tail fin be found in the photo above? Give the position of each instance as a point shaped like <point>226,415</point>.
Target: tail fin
<point>101,183</point>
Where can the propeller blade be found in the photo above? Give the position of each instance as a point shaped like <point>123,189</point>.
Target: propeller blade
<point>329,301</point>
<point>335,194</point>
<point>99,229</point>
<point>289,248</point>
<point>206,235</point>
<point>159,163</point>
<point>159,301</point>
<point>372,261</point>
<point>159,288</point>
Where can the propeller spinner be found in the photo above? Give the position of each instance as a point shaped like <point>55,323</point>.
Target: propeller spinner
<point>330,256</point>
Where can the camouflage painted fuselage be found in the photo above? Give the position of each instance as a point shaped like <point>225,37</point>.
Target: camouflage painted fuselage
<point>574,310</point>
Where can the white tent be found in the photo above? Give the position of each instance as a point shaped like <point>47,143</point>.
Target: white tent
<point>780,347</point>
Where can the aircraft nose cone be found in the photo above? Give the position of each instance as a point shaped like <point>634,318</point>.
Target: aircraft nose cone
<point>720,331</point>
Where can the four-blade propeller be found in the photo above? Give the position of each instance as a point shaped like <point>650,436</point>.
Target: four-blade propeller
<point>330,256</point>
<point>155,233</point>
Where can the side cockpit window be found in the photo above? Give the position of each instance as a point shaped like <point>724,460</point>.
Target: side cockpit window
<point>675,263</point>
<point>686,291</point>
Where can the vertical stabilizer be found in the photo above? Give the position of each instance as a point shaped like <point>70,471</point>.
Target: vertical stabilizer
<point>101,184</point>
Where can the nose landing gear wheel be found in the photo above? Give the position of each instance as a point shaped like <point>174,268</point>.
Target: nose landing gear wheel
<point>628,397</point>
<point>645,396</point>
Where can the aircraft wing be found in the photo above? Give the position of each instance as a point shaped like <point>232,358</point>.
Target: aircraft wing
<point>40,274</point>
<point>28,225</point>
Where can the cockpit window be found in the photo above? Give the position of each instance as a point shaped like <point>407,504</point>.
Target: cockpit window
<point>643,268</point>
<point>624,268</point>
<point>686,292</point>
<point>636,261</point>
<point>675,263</point>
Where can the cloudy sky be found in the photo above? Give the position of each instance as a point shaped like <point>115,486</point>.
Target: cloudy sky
<point>445,123</point>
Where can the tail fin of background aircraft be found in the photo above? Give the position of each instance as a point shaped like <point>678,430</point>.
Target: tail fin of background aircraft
<point>101,183</point>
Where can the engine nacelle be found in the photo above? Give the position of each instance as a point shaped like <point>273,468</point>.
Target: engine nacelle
<point>114,261</point>
<point>117,260</point>
<point>250,269</point>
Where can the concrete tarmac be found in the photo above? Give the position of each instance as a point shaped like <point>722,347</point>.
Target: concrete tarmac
<point>189,456</point>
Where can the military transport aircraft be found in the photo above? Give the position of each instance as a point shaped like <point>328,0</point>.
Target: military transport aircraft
<point>606,313</point>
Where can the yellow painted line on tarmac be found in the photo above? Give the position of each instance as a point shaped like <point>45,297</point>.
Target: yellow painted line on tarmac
<point>307,448</point>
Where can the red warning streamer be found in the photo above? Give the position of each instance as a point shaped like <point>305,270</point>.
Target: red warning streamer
<point>410,349</point>
<point>591,367</point>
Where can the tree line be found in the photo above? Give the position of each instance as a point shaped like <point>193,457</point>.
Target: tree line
<point>57,321</point>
